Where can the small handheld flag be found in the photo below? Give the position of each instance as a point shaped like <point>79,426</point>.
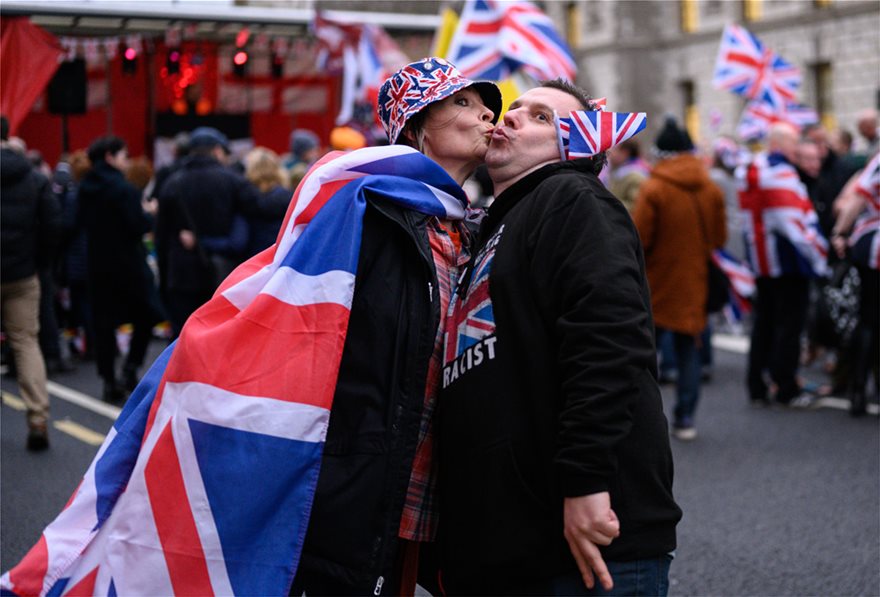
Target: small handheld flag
<point>587,133</point>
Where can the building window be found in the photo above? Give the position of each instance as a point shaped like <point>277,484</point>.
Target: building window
<point>823,83</point>
<point>712,7</point>
<point>574,27</point>
<point>690,109</point>
<point>752,10</point>
<point>688,15</point>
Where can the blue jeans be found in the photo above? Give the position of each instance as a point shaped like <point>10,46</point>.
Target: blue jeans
<point>687,358</point>
<point>639,577</point>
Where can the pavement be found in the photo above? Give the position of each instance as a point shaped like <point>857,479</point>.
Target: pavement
<point>776,502</point>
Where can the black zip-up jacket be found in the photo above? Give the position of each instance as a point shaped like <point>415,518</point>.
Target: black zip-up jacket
<point>203,196</point>
<point>377,407</point>
<point>30,218</point>
<point>557,396</point>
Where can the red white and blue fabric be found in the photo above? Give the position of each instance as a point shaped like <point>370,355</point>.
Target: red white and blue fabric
<point>412,88</point>
<point>494,38</point>
<point>205,483</point>
<point>364,54</point>
<point>780,225</point>
<point>746,67</point>
<point>864,241</point>
<point>742,284</point>
<point>588,133</point>
<point>758,116</point>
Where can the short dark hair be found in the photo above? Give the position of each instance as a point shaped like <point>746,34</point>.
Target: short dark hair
<point>4,128</point>
<point>101,146</point>
<point>598,161</point>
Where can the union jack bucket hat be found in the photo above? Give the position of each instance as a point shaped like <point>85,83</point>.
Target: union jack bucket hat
<point>419,84</point>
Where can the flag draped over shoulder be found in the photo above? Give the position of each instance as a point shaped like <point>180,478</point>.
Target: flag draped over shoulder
<point>587,133</point>
<point>864,241</point>
<point>204,484</point>
<point>779,221</point>
<point>494,38</point>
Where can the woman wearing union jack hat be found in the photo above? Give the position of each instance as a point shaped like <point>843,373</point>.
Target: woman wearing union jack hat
<point>317,362</point>
<point>374,503</point>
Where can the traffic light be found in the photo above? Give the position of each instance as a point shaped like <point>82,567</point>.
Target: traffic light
<point>129,61</point>
<point>172,61</point>
<point>239,62</point>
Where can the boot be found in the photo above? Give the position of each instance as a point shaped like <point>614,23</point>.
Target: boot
<point>38,437</point>
<point>113,391</point>
<point>129,378</point>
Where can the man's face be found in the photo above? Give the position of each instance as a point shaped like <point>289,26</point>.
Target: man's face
<point>808,159</point>
<point>525,138</point>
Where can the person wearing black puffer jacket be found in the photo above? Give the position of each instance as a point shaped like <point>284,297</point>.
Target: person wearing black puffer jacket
<point>555,464</point>
<point>121,285</point>
<point>30,222</point>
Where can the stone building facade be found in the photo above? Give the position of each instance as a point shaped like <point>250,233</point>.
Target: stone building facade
<point>659,56</point>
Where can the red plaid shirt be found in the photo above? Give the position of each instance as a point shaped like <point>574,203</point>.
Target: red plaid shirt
<point>419,519</point>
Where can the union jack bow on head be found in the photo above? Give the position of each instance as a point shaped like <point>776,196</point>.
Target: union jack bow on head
<point>587,133</point>
<point>495,38</point>
<point>745,67</point>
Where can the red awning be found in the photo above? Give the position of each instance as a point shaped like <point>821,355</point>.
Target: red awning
<point>28,59</point>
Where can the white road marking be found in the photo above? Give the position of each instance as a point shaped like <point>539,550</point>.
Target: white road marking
<point>84,400</point>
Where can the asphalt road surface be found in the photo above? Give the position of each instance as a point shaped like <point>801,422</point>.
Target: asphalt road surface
<point>775,502</point>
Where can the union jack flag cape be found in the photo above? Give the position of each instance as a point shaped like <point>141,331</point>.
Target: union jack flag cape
<point>494,38</point>
<point>864,241</point>
<point>780,225</point>
<point>758,116</point>
<point>205,483</point>
<point>746,67</point>
<point>587,133</point>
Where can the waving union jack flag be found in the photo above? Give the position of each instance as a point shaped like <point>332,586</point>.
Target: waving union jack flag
<point>758,116</point>
<point>205,483</point>
<point>587,133</point>
<point>364,54</point>
<point>495,38</point>
<point>745,67</point>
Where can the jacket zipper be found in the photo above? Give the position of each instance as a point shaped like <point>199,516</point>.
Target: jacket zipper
<point>379,582</point>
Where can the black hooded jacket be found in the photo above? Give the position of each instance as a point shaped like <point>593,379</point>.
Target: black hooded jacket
<point>555,393</point>
<point>30,218</point>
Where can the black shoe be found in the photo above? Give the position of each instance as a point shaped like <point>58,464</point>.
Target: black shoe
<point>54,366</point>
<point>113,392</point>
<point>38,438</point>
<point>858,404</point>
<point>129,378</point>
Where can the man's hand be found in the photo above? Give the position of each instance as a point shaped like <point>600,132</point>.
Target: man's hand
<point>187,239</point>
<point>590,522</point>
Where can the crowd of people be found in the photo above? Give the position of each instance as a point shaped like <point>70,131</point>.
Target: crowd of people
<point>122,244</point>
<point>506,426</point>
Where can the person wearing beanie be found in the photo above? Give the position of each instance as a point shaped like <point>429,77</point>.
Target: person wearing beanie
<point>680,217</point>
<point>305,147</point>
